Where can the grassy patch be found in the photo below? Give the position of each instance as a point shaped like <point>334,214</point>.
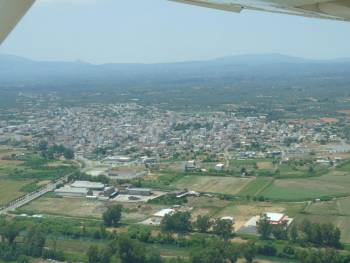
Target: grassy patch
<point>213,184</point>
<point>255,187</point>
<point>10,190</point>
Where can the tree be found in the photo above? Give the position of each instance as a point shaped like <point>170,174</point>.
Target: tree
<point>153,257</point>
<point>179,222</point>
<point>249,252</point>
<point>320,234</point>
<point>35,241</point>
<point>330,235</point>
<point>203,223</point>
<point>93,254</point>
<point>139,232</point>
<point>223,228</point>
<point>9,232</point>
<point>23,259</point>
<point>280,231</point>
<point>131,251</point>
<point>264,227</point>
<point>112,216</point>
<point>43,145</point>
<point>214,251</point>
<point>293,233</point>
<point>105,255</point>
<point>68,153</point>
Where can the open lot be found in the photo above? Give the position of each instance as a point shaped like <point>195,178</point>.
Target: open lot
<point>74,207</point>
<point>83,208</point>
<point>213,184</point>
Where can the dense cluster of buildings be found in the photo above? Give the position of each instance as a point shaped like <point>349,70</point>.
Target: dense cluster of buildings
<point>128,131</point>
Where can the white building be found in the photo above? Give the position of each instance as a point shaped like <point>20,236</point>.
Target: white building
<point>68,191</point>
<point>219,167</point>
<point>88,185</point>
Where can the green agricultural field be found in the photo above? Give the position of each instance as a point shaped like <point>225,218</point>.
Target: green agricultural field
<point>75,250</point>
<point>10,190</point>
<point>343,205</point>
<point>213,184</point>
<point>344,167</point>
<point>255,187</point>
<point>330,184</point>
<point>288,170</point>
<point>339,206</point>
<point>324,208</point>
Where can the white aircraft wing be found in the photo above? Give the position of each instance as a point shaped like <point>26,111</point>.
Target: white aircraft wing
<point>11,12</point>
<point>328,9</point>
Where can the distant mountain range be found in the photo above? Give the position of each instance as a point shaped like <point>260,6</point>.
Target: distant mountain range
<point>22,72</point>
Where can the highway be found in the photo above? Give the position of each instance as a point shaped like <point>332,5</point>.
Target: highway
<point>23,200</point>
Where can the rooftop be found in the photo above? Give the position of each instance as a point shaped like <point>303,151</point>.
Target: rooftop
<point>164,212</point>
<point>87,184</point>
<point>275,216</point>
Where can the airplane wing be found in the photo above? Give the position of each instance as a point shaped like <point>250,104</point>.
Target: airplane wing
<point>327,9</point>
<point>11,12</point>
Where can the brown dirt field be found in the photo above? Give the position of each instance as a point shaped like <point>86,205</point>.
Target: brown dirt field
<point>200,211</point>
<point>328,120</point>
<point>265,165</point>
<point>76,207</point>
<point>10,163</point>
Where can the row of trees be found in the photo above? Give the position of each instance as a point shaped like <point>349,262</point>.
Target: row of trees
<point>32,244</point>
<point>128,250</point>
<point>180,222</point>
<point>323,235</point>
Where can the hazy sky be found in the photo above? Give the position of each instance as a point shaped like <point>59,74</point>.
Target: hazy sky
<point>148,31</point>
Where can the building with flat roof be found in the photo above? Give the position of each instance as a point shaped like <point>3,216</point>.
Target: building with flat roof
<point>278,218</point>
<point>68,191</point>
<point>162,213</point>
<point>139,191</point>
<point>88,185</point>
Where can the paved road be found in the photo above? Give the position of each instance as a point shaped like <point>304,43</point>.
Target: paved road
<point>23,200</point>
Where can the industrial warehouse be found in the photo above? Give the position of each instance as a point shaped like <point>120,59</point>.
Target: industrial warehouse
<point>102,192</point>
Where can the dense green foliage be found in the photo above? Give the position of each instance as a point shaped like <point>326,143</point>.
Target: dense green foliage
<point>112,216</point>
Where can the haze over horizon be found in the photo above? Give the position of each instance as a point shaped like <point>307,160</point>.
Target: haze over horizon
<point>108,31</point>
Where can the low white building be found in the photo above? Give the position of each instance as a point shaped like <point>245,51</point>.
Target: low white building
<point>88,185</point>
<point>162,213</point>
<point>68,191</point>
<point>219,167</point>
